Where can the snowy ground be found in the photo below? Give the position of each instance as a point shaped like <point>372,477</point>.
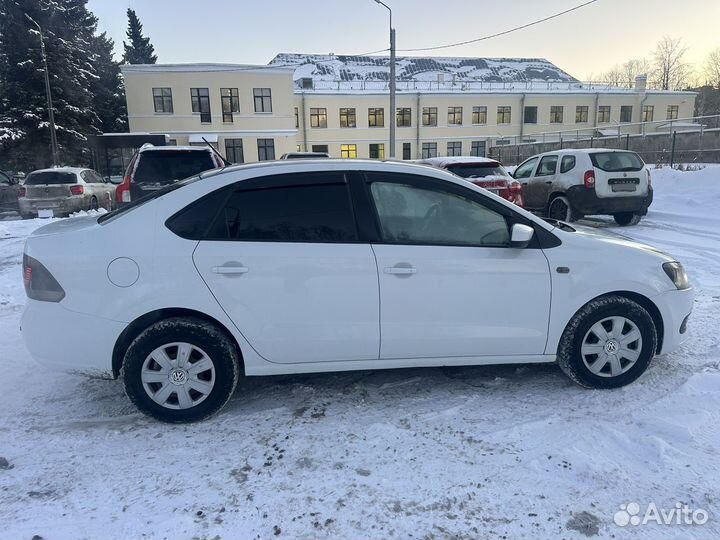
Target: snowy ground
<point>492,452</point>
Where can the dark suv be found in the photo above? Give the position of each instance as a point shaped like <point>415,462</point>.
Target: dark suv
<point>154,167</point>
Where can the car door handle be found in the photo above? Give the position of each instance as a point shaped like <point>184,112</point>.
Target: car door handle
<point>400,270</point>
<point>230,270</point>
<point>548,181</point>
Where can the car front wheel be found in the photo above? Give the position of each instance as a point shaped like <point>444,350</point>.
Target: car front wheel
<point>181,370</point>
<point>609,343</point>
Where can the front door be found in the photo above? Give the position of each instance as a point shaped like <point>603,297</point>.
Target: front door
<point>285,264</point>
<point>541,183</point>
<point>450,285</point>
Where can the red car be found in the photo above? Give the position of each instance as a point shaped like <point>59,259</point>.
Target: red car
<point>483,172</point>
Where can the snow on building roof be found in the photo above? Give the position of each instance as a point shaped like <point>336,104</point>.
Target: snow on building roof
<point>329,68</point>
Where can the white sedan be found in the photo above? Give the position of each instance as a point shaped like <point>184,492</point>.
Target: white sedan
<point>328,265</point>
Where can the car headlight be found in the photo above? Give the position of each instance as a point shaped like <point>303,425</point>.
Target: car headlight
<point>677,274</point>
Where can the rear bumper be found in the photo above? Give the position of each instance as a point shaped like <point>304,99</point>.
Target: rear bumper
<point>60,207</point>
<point>675,307</point>
<point>585,201</point>
<point>69,341</point>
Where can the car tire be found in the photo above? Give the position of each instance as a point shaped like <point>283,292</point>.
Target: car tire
<point>181,370</point>
<point>627,218</point>
<point>561,209</point>
<point>581,349</point>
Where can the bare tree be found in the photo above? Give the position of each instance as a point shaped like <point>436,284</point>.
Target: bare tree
<point>632,68</point>
<point>613,76</point>
<point>712,68</point>
<point>671,71</point>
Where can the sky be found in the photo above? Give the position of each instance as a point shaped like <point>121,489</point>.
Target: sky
<point>583,43</point>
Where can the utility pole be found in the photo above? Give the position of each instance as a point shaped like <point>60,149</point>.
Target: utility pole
<point>393,109</point>
<point>51,115</point>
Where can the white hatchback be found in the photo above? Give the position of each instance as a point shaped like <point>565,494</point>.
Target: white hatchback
<point>329,265</point>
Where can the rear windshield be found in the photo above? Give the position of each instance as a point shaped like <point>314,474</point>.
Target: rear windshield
<point>478,170</point>
<point>50,177</point>
<point>617,161</point>
<point>165,167</point>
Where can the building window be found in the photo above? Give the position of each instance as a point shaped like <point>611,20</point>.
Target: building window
<point>626,113</point>
<point>376,117</point>
<point>479,115</point>
<point>603,114</point>
<point>581,114</point>
<point>454,116</point>
<point>266,149</point>
<point>406,151</point>
<point>429,150</point>
<point>404,118</point>
<point>429,116</point>
<point>263,99</point>
<point>230,103</point>
<point>647,113</point>
<point>530,115</point>
<point>477,148</point>
<point>200,99</point>
<point>348,151</point>
<point>318,118</point>
<point>320,148</point>
<point>377,151</point>
<point>297,118</point>
<point>454,148</point>
<point>672,112</point>
<point>234,151</point>
<point>347,118</point>
<point>504,114</point>
<point>162,97</point>
<point>556,114</point>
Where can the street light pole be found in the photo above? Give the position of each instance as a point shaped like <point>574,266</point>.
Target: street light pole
<point>393,110</point>
<point>51,115</point>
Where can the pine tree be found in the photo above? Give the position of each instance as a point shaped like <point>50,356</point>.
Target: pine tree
<point>138,50</point>
<point>108,90</point>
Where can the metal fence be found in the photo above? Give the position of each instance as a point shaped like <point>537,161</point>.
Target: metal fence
<point>682,140</point>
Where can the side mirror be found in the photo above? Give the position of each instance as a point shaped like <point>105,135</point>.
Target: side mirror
<point>521,235</point>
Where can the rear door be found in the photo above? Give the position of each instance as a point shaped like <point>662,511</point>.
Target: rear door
<point>284,261</point>
<point>49,186</point>
<point>619,174</point>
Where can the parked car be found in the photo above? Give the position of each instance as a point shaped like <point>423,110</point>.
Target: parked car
<point>9,192</point>
<point>484,172</point>
<point>570,184</point>
<point>154,167</point>
<point>334,265</point>
<point>61,191</point>
<point>304,155</point>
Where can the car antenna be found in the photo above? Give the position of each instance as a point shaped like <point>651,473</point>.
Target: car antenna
<point>218,154</point>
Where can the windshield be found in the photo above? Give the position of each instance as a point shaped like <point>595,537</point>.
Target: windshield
<point>124,209</point>
<point>50,177</point>
<point>617,161</point>
<point>478,170</point>
<point>167,166</point>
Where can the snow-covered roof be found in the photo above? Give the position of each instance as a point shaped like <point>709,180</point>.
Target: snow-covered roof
<point>199,67</point>
<point>330,68</point>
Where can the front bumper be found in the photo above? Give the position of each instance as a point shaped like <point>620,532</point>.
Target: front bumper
<point>69,341</point>
<point>586,202</point>
<point>60,207</point>
<point>675,307</point>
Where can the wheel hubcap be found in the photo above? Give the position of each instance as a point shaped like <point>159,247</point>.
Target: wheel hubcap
<point>178,375</point>
<point>611,346</point>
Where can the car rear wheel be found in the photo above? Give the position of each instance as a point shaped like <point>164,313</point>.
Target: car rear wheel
<point>561,209</point>
<point>181,370</point>
<point>627,218</point>
<point>93,203</point>
<point>609,343</point>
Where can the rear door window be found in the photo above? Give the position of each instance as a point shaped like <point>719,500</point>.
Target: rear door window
<point>548,166</point>
<point>161,167</point>
<point>617,161</point>
<point>567,164</point>
<point>50,178</point>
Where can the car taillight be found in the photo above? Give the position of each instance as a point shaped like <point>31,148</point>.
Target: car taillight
<point>122,192</point>
<point>590,179</point>
<point>515,193</point>
<point>22,192</point>
<point>77,190</point>
<point>39,282</point>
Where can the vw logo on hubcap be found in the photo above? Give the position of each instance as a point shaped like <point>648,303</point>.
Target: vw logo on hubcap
<point>612,346</point>
<point>178,376</point>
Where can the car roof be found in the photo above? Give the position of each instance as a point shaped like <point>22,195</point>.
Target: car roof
<point>175,148</point>
<point>448,160</point>
<point>76,170</point>
<point>575,151</point>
